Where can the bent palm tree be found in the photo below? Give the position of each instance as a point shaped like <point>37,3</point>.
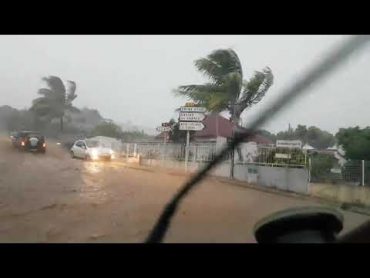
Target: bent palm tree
<point>55,100</point>
<point>227,91</point>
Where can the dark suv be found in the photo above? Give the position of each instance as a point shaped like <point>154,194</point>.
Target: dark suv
<point>29,141</point>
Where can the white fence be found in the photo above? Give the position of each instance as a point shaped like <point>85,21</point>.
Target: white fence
<point>197,152</point>
<point>287,179</point>
<point>353,172</point>
<point>205,152</point>
<point>261,172</point>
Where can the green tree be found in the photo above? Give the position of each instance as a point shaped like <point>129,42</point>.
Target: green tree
<point>285,135</point>
<point>321,166</point>
<point>56,99</point>
<point>226,89</point>
<point>319,139</point>
<point>108,129</point>
<point>301,133</point>
<point>355,142</point>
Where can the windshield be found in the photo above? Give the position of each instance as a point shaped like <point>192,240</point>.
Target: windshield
<point>179,139</point>
<point>92,143</point>
<point>34,134</point>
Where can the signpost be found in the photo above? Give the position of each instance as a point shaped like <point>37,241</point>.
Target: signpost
<point>198,117</point>
<point>165,128</point>
<point>194,126</point>
<point>191,118</point>
<point>283,155</point>
<point>193,109</point>
<point>289,144</point>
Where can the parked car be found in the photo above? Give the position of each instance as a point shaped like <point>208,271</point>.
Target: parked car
<point>13,138</point>
<point>91,150</point>
<point>29,141</point>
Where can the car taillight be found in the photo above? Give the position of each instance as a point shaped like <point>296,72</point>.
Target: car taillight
<point>22,143</point>
<point>44,145</point>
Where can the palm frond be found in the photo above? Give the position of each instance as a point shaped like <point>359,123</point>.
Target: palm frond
<point>188,90</point>
<point>226,89</point>
<point>234,83</point>
<point>219,64</point>
<point>228,59</point>
<point>204,95</point>
<point>46,93</point>
<point>41,106</point>
<point>56,85</point>
<point>217,102</point>
<point>71,89</point>
<point>256,88</point>
<point>210,69</point>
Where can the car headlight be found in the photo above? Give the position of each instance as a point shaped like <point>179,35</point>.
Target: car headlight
<point>94,154</point>
<point>112,154</point>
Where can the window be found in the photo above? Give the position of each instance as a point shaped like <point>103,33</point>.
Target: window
<point>92,143</point>
<point>80,144</point>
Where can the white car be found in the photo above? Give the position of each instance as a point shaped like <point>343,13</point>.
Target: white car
<point>91,150</point>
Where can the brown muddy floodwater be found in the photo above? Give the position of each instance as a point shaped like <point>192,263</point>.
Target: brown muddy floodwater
<point>53,198</point>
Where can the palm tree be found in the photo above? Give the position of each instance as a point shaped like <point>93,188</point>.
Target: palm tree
<point>56,99</point>
<point>227,90</point>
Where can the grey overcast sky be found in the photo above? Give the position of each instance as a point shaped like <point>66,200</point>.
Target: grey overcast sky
<point>130,78</point>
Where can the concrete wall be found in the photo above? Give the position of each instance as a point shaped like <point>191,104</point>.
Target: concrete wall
<point>351,194</point>
<point>288,179</point>
<point>221,170</point>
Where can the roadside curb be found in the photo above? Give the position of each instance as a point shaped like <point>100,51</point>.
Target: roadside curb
<point>256,187</point>
<point>343,206</point>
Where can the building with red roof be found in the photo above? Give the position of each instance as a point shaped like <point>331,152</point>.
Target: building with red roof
<point>218,126</point>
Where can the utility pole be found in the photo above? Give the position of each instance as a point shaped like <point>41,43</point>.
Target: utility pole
<point>363,173</point>
<point>187,150</point>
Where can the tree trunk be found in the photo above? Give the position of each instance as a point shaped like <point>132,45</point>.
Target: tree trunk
<point>235,118</point>
<point>61,124</point>
<point>234,122</point>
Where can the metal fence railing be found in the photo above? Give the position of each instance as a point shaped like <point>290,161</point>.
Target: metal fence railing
<point>205,152</point>
<point>352,172</point>
<point>170,151</point>
<point>281,157</point>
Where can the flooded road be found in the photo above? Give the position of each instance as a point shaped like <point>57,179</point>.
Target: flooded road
<point>53,198</point>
